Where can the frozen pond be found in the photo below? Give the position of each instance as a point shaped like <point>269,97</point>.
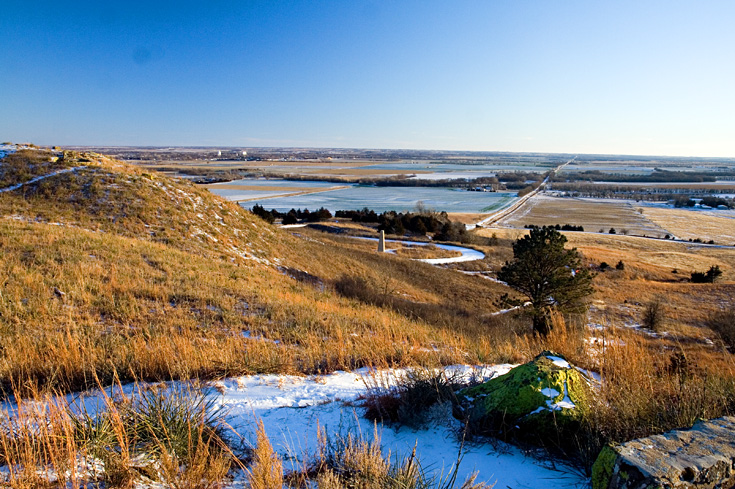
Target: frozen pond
<point>400,199</point>
<point>261,188</point>
<point>277,182</point>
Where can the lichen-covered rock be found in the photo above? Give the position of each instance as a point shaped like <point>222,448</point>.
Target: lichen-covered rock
<point>701,457</point>
<point>535,400</point>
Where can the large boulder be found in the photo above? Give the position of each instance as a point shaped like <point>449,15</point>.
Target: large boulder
<point>535,402</point>
<point>701,457</point>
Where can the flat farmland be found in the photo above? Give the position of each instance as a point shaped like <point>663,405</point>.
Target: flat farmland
<point>594,215</point>
<point>715,225</point>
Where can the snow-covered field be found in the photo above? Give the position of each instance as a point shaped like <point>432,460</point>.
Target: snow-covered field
<point>293,408</point>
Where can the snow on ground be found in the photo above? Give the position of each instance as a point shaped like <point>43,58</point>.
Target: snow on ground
<point>42,177</point>
<point>468,254</point>
<point>293,408</point>
<point>6,149</point>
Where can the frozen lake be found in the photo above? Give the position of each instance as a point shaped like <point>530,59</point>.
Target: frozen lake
<point>400,199</point>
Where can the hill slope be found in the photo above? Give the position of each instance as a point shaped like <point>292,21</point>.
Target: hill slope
<point>112,271</point>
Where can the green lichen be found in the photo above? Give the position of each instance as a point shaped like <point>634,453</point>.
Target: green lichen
<point>603,468</point>
<point>518,393</point>
<point>516,405</point>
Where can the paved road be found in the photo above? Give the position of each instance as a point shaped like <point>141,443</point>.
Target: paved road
<point>503,213</point>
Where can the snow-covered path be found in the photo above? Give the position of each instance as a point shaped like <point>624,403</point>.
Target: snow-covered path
<point>39,178</point>
<point>468,254</point>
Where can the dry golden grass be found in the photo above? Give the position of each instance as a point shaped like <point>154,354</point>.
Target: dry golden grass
<point>620,296</point>
<point>112,270</point>
<point>465,217</point>
<point>688,224</point>
<point>157,437</point>
<point>266,467</point>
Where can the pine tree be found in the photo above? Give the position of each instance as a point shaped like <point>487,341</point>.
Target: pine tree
<point>551,276</point>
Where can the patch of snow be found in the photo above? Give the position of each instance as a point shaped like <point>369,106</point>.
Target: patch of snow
<point>291,226</point>
<point>558,361</point>
<point>6,149</point>
<point>39,178</point>
<point>247,334</point>
<point>467,254</point>
<point>590,374</point>
<point>565,403</point>
<point>549,392</point>
<point>506,311</point>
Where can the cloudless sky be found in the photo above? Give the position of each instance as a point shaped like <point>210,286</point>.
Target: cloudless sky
<point>627,76</point>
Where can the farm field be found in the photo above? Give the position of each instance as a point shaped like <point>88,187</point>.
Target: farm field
<point>595,215</point>
<point>716,225</point>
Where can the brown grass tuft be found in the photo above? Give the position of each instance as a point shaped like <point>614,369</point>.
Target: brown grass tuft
<point>266,468</point>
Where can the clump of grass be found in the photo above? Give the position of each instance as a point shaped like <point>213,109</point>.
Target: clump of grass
<point>266,467</point>
<point>408,398</point>
<point>356,461</point>
<point>161,435</point>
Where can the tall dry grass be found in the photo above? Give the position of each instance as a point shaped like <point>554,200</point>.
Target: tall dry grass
<point>357,460</point>
<point>266,467</point>
<point>649,388</point>
<point>154,435</point>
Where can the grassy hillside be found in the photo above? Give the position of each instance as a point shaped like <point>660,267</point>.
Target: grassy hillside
<point>109,270</point>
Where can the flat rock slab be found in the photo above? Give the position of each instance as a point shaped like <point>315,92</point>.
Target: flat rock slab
<point>701,457</point>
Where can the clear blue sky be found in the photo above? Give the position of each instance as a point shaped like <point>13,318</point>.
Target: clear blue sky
<point>629,76</point>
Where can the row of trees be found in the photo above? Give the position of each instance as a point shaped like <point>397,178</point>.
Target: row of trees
<point>293,216</point>
<point>709,201</point>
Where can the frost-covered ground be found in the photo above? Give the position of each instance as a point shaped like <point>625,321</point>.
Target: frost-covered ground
<point>7,149</point>
<point>292,409</point>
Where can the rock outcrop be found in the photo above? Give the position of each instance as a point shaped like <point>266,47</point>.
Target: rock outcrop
<point>534,401</point>
<point>701,457</point>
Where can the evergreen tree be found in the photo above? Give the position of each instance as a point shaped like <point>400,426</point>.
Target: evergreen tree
<point>551,276</point>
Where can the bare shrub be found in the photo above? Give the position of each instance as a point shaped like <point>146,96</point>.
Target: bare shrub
<point>723,323</point>
<point>407,399</point>
<point>654,315</point>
